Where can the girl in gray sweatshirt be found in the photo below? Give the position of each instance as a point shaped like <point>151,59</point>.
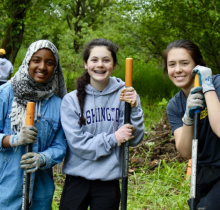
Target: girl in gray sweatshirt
<point>93,121</point>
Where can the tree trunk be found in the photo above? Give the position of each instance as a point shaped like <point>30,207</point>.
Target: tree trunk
<point>14,33</point>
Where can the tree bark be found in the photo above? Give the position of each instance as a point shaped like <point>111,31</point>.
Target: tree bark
<point>12,39</point>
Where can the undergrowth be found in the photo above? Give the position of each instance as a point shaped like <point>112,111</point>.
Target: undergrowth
<point>164,188</point>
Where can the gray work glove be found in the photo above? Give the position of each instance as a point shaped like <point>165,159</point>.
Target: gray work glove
<point>205,78</point>
<point>32,161</point>
<point>194,101</point>
<point>124,133</point>
<point>27,135</point>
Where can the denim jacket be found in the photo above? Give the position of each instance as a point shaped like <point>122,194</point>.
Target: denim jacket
<point>50,142</point>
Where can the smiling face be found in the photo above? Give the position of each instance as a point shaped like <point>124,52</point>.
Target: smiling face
<point>41,65</point>
<point>100,66</point>
<point>180,65</point>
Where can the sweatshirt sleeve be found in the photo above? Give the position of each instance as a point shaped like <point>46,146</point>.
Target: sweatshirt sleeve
<point>137,120</point>
<point>83,143</point>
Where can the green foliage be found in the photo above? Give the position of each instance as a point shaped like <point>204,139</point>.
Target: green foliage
<point>152,113</point>
<point>12,17</point>
<point>59,183</point>
<point>155,23</point>
<point>148,80</point>
<point>164,102</point>
<point>55,205</point>
<point>80,15</point>
<point>19,59</point>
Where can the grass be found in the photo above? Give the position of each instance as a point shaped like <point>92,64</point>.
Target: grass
<point>163,188</point>
<point>59,183</point>
<point>153,111</point>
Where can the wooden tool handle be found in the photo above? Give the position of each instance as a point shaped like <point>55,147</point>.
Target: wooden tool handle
<point>28,148</point>
<point>128,72</point>
<point>30,113</point>
<point>196,80</point>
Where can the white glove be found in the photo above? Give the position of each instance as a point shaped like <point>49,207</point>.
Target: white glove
<point>129,95</point>
<point>205,78</point>
<point>32,161</point>
<point>194,101</point>
<point>124,133</point>
<point>27,135</point>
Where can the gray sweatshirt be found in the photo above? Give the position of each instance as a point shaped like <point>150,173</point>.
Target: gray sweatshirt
<point>92,151</point>
<point>6,69</point>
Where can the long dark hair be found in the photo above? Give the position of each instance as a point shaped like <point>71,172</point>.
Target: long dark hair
<point>85,78</point>
<point>191,48</point>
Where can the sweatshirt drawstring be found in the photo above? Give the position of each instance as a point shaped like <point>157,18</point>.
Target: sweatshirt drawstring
<point>112,121</point>
<point>111,116</point>
<point>95,111</point>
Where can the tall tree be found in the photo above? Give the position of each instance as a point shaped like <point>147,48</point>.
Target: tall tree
<point>13,22</point>
<point>83,14</point>
<point>12,18</point>
<point>158,22</point>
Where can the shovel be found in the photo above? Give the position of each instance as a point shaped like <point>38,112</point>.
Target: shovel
<point>125,146</point>
<point>28,148</point>
<point>192,204</point>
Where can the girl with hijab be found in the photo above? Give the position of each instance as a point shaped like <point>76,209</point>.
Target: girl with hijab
<point>39,79</point>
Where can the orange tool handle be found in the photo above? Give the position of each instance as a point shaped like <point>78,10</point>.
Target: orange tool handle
<point>196,80</point>
<point>30,113</point>
<point>128,72</point>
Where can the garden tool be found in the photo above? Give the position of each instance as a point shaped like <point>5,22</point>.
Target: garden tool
<point>28,148</point>
<point>125,146</point>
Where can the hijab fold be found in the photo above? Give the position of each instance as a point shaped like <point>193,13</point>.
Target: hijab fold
<point>27,89</point>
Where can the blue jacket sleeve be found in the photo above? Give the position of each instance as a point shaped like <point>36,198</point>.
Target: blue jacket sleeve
<point>57,150</point>
<point>5,105</point>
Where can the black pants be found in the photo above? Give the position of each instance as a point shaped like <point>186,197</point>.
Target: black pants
<point>208,188</point>
<point>79,193</point>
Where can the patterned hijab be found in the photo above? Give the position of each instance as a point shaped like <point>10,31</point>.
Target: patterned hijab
<point>26,89</point>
